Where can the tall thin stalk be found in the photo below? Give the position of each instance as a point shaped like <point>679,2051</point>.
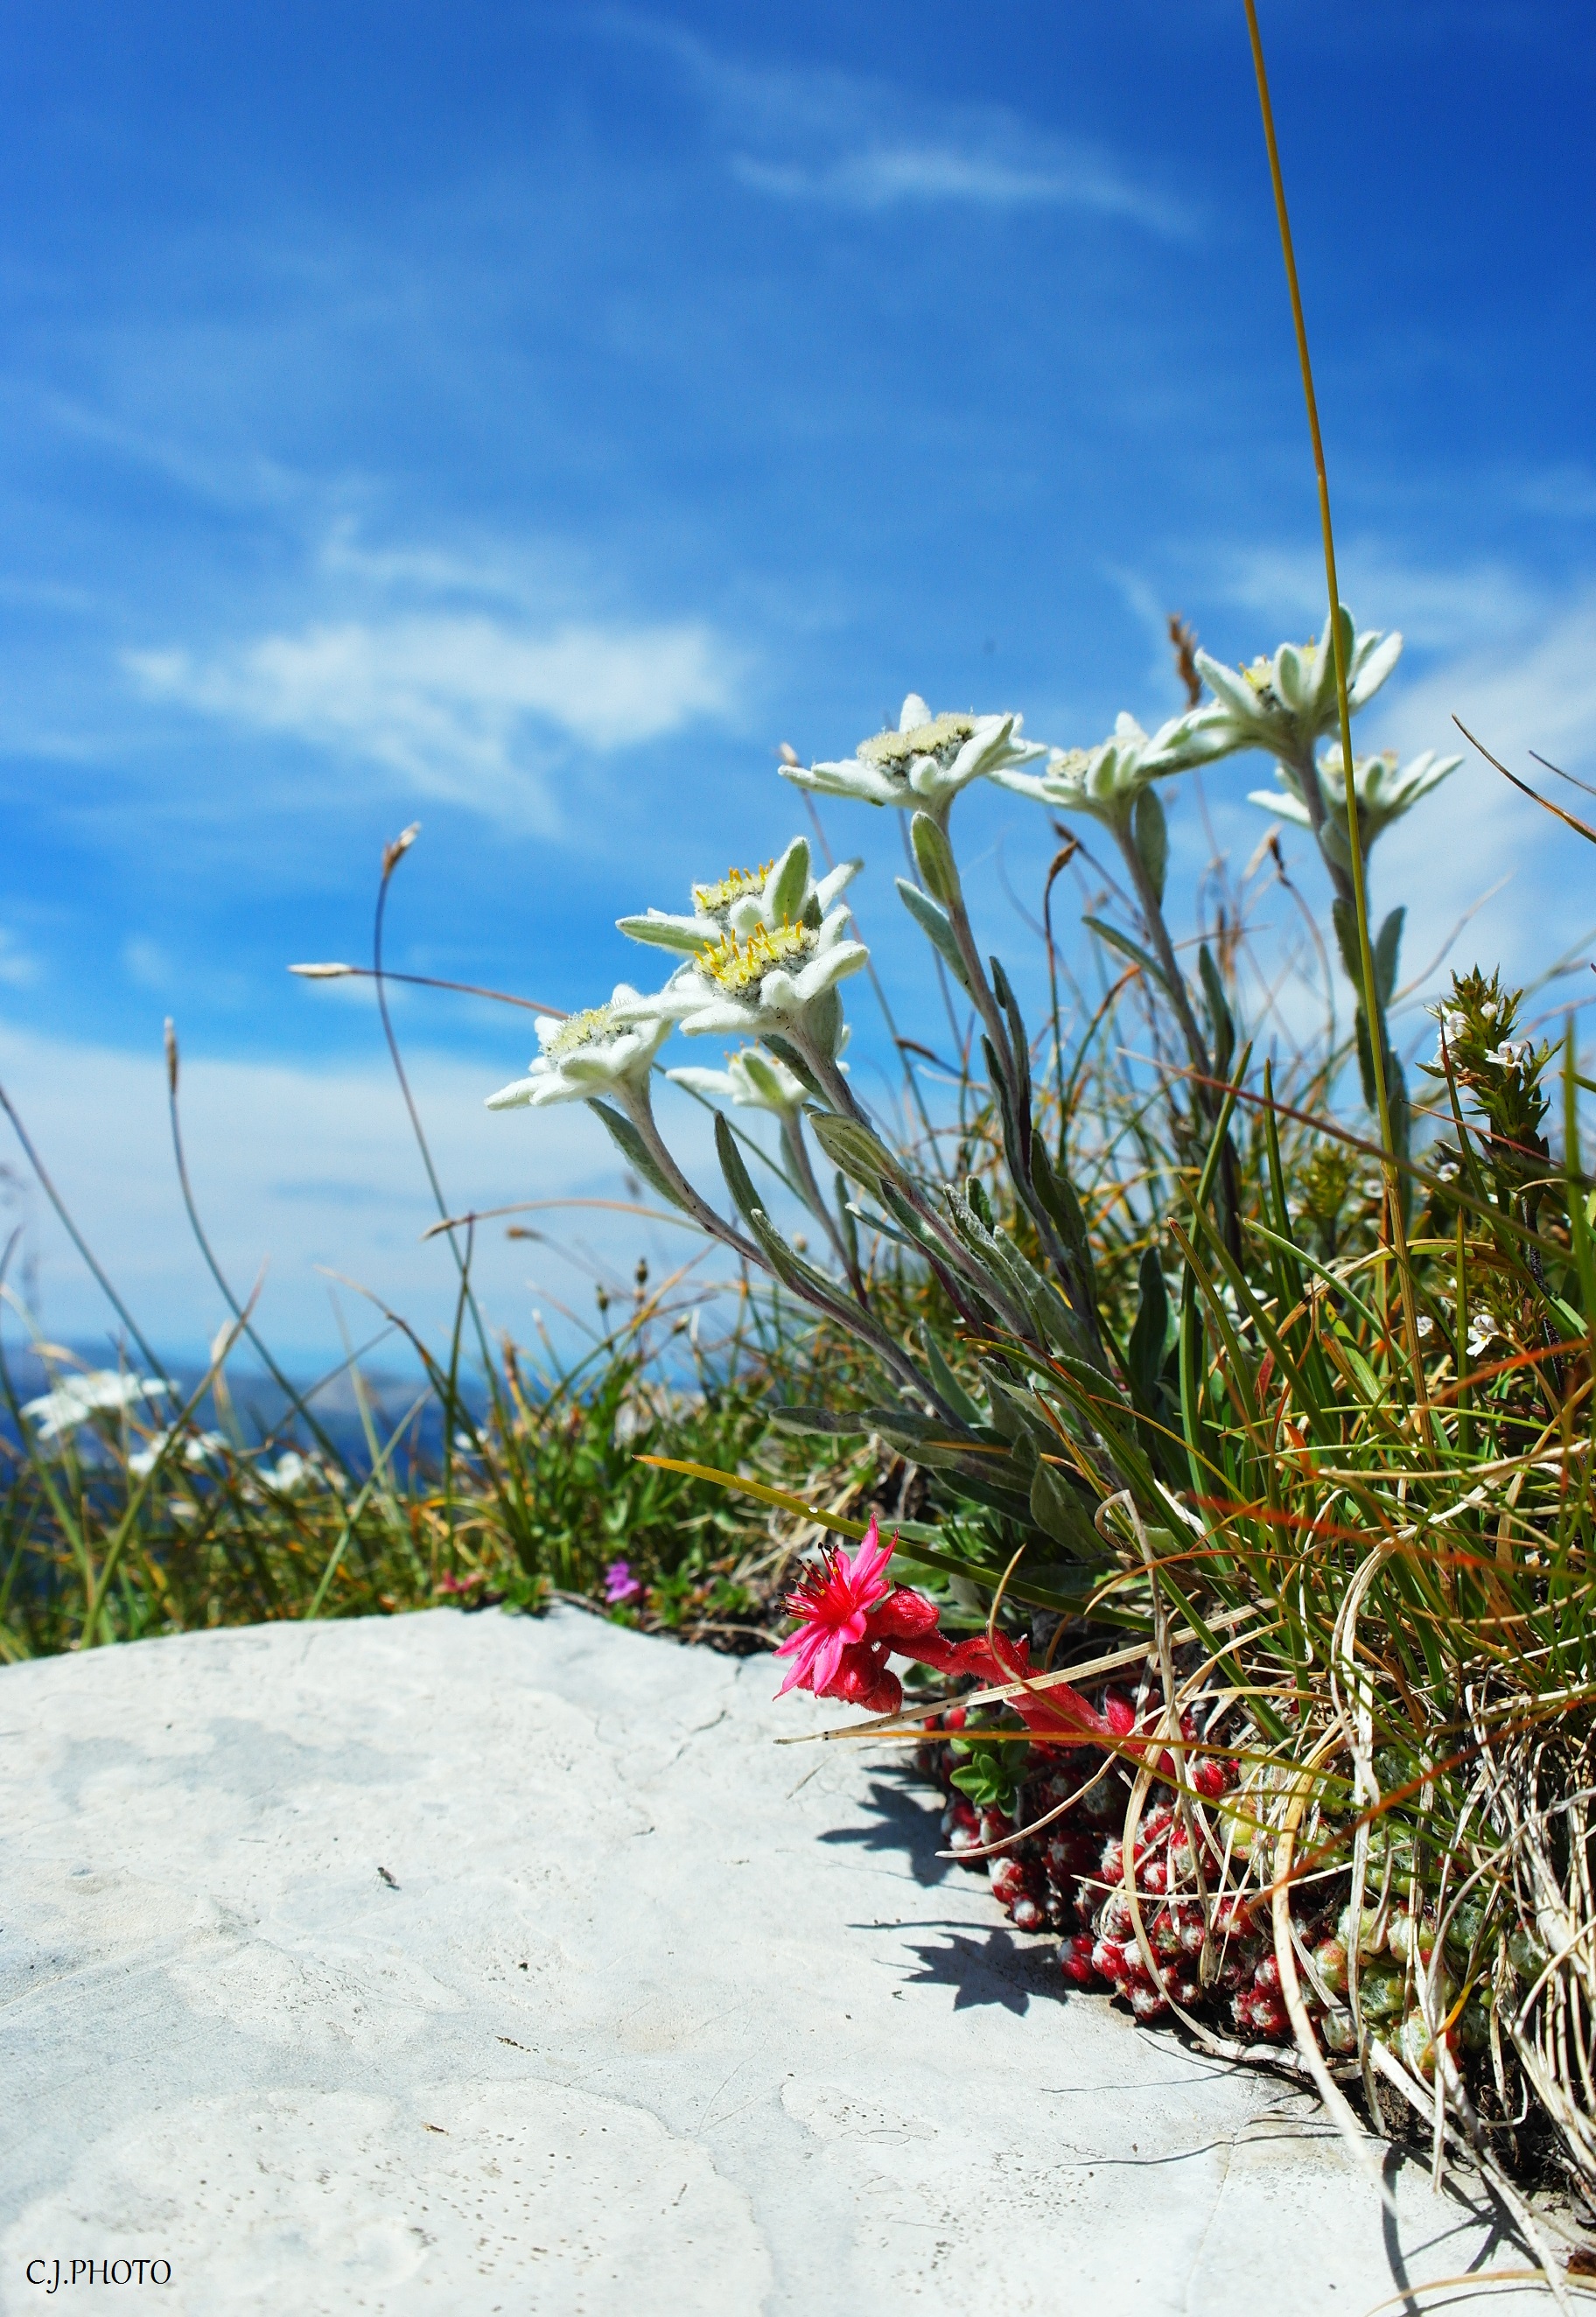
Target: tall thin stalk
<point>1373,1011</point>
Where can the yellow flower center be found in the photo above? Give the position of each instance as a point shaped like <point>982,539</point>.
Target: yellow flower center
<point>895,748</point>
<point>588,1029</point>
<point>708,899</point>
<point>738,967</point>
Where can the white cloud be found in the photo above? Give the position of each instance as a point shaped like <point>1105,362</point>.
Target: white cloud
<point>843,141</point>
<point>1568,493</point>
<point>309,1166</point>
<point>467,707</point>
<point>19,968</point>
<point>1436,610</point>
<point>146,962</point>
<point>1539,695</point>
<point>888,176</point>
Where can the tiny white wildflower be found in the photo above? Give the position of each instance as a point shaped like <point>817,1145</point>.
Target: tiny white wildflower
<point>197,1450</point>
<point>102,1391</point>
<point>293,1474</point>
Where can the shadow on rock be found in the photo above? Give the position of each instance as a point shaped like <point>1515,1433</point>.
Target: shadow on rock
<point>989,1967</point>
<point>900,1821</point>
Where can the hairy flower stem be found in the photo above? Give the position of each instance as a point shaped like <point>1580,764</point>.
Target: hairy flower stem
<point>1207,1093</point>
<point>987,1006</point>
<point>841,1098</point>
<point>793,1144</point>
<point>851,1310</point>
<point>640,1109</point>
<point>1019,1110</point>
<point>1312,797</point>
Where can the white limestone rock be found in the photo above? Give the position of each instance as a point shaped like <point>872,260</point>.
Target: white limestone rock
<point>479,1963</point>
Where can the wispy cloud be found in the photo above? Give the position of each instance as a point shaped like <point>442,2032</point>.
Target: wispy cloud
<point>468,707</point>
<point>315,1168</point>
<point>146,963</point>
<point>882,176</point>
<point>1539,696</point>
<point>845,141</point>
<point>1438,609</point>
<point>19,968</point>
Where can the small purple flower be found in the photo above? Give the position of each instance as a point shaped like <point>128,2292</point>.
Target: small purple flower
<point>619,1584</point>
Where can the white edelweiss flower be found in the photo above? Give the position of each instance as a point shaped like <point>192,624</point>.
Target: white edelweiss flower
<point>779,893</point>
<point>768,982</point>
<point>1385,788</point>
<point>592,1053</point>
<point>925,763</point>
<point>752,1080</point>
<point>1105,780</point>
<point>1288,704</point>
<point>103,1392</point>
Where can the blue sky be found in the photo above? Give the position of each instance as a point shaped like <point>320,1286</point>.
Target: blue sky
<point>524,419</point>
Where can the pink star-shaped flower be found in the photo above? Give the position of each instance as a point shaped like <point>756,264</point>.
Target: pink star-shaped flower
<point>834,1605</point>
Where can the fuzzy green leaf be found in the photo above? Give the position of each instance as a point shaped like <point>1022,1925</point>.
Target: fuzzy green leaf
<point>934,923</point>
<point>1152,833</point>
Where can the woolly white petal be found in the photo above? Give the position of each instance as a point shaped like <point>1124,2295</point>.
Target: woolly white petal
<point>512,1097</point>
<point>852,778</point>
<point>1283,806</point>
<point>835,882</point>
<point>823,970</point>
<point>719,1017</point>
<point>1026,784</point>
<point>717,1085</point>
<point>1375,667</point>
<point>694,935</point>
<point>913,714</point>
<point>1230,688</point>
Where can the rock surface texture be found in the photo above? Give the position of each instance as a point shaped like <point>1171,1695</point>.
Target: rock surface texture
<point>475,1963</point>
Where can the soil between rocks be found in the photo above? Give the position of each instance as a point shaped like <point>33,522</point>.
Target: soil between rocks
<point>488,1963</point>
